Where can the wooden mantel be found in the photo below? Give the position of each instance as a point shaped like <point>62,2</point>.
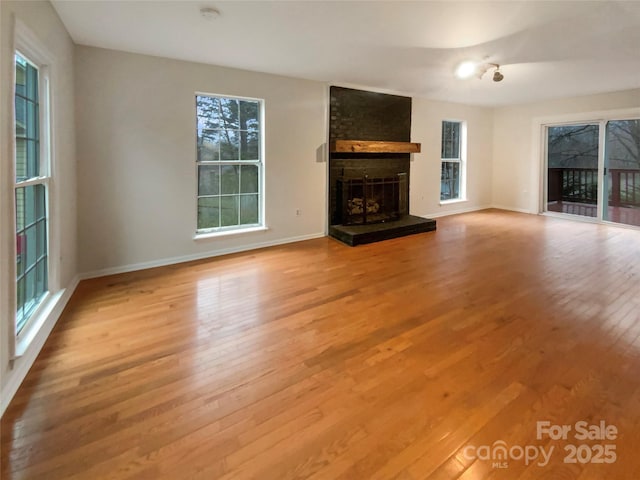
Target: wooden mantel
<point>367,146</point>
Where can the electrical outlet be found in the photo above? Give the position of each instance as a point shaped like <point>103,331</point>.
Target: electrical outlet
<point>298,212</point>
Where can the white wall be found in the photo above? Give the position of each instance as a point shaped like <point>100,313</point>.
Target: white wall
<point>42,20</point>
<point>514,168</point>
<point>136,154</point>
<point>426,128</point>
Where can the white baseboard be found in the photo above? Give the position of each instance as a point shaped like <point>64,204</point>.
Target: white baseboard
<point>22,364</point>
<point>455,212</point>
<point>196,256</point>
<point>512,209</point>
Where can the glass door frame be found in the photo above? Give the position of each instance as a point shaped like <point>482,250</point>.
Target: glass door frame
<point>540,132</point>
<point>545,176</point>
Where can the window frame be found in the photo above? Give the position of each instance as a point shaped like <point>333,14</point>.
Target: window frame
<point>29,46</point>
<point>540,152</point>
<point>259,163</point>
<point>461,160</point>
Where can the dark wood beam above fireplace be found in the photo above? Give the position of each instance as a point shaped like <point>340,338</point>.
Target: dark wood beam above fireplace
<point>367,146</point>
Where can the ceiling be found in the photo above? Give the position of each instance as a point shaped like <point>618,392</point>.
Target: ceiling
<point>546,49</point>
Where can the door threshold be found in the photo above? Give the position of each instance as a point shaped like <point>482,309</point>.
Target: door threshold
<point>571,216</point>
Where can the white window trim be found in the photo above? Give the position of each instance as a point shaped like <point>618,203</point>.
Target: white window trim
<point>453,200</point>
<point>462,161</point>
<point>226,233</point>
<point>27,43</point>
<point>201,234</point>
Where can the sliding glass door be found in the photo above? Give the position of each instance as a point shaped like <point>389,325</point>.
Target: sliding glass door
<point>572,169</point>
<point>622,172</point>
<point>593,170</point>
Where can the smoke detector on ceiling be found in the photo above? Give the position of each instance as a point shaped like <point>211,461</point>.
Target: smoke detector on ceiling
<point>209,13</point>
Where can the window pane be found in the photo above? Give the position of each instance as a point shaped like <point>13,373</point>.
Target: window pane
<point>450,181</point>
<point>30,286</point>
<point>622,150</point>
<point>27,122</point>
<point>229,114</point>
<point>229,145</point>
<point>249,179</point>
<point>572,168</point>
<point>208,112</point>
<point>41,201</point>
<point>229,210</point>
<point>623,144</point>
<point>31,254</point>
<point>21,246</point>
<point>41,237</point>
<point>208,212</point>
<point>573,146</point>
<point>21,117</point>
<point>208,180</point>
<point>32,83</point>
<point>249,115</point>
<point>450,140</point>
<point>21,76</point>
<point>21,159</point>
<point>249,145</point>
<point>19,209</point>
<point>32,120</point>
<point>29,205</point>
<point>41,278</point>
<point>33,158</point>
<point>248,209</point>
<point>208,143</point>
<point>31,249</point>
<point>230,179</point>
<point>20,295</point>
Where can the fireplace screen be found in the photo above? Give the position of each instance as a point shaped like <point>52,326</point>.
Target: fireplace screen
<point>372,200</point>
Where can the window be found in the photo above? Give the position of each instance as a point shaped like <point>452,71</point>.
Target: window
<point>31,184</point>
<point>453,170</point>
<point>229,163</point>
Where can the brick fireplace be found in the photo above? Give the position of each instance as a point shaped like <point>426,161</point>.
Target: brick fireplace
<point>369,167</point>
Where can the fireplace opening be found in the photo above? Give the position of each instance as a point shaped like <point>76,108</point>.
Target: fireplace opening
<point>366,200</point>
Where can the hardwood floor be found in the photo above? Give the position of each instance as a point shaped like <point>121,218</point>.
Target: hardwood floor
<point>395,360</point>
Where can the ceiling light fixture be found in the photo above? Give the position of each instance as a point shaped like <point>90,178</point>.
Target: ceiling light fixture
<point>209,13</point>
<point>497,76</point>
<point>466,69</point>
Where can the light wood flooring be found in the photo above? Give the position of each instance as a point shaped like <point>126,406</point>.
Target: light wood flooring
<point>319,361</point>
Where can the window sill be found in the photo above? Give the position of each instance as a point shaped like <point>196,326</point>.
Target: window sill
<point>455,200</point>
<point>39,318</point>
<point>225,233</point>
